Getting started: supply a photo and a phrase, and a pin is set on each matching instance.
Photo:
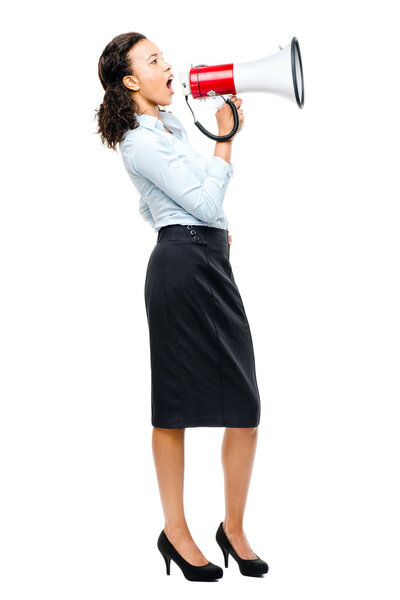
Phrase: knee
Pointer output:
(252, 430)
(244, 430)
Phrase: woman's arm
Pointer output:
(225, 121)
(223, 150)
(153, 159)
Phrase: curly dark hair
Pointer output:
(116, 114)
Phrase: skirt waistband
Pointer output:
(198, 234)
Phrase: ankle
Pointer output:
(232, 528)
(176, 532)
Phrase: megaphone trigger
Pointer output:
(218, 138)
(218, 101)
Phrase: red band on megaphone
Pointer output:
(217, 77)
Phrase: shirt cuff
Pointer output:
(227, 167)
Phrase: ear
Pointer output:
(131, 82)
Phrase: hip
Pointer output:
(185, 253)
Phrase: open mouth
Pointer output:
(169, 83)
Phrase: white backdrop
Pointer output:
(313, 208)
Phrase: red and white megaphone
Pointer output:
(280, 74)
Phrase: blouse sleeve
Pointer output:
(144, 210)
(154, 160)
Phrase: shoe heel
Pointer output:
(167, 562)
(225, 552)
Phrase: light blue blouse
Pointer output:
(176, 183)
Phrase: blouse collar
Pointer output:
(167, 118)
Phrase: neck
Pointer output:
(153, 111)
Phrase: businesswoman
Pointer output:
(202, 361)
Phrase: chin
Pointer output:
(166, 103)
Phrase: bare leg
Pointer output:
(238, 452)
(169, 458)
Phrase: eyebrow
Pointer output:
(155, 54)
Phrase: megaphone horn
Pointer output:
(280, 74)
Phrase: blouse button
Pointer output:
(193, 231)
(196, 237)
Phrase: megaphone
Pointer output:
(280, 74)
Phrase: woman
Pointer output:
(202, 361)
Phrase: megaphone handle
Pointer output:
(219, 138)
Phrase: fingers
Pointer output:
(237, 101)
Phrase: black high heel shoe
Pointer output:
(247, 566)
(207, 572)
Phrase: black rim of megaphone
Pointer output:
(217, 138)
(294, 46)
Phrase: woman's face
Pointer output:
(150, 75)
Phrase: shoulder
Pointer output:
(135, 137)
(140, 146)
(139, 139)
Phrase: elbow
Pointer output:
(203, 203)
(210, 215)
(211, 208)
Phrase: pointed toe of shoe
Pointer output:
(252, 567)
(207, 572)
(217, 571)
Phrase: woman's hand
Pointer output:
(229, 239)
(224, 116)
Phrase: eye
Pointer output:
(155, 60)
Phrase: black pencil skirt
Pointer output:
(202, 361)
